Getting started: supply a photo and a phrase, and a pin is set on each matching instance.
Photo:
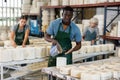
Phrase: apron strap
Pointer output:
(70, 30)
(59, 29)
(24, 31)
(18, 29)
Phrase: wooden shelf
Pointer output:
(30, 14)
(112, 4)
(110, 38)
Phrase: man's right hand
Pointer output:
(54, 42)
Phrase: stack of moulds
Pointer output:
(95, 71)
(26, 6)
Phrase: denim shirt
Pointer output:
(75, 34)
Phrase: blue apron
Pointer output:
(90, 36)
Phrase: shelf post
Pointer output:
(105, 21)
(82, 14)
(1, 68)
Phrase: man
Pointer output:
(20, 32)
(64, 31)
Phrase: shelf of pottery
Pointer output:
(107, 69)
(31, 7)
(115, 30)
(48, 14)
(37, 51)
(87, 50)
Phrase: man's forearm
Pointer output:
(48, 39)
(77, 47)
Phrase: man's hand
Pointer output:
(49, 39)
(54, 42)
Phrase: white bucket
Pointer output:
(54, 2)
(26, 6)
(93, 1)
(7, 43)
(18, 54)
(111, 0)
(117, 0)
(40, 4)
(34, 10)
(25, 11)
(97, 48)
(65, 2)
(90, 49)
(29, 53)
(118, 51)
(5, 55)
(40, 52)
(26, 1)
(110, 47)
(61, 61)
(83, 49)
(102, 1)
(86, 1)
(81, 2)
(103, 48)
(4, 36)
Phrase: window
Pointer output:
(10, 11)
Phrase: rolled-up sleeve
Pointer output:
(50, 29)
(13, 28)
(78, 36)
(84, 33)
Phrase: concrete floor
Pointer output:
(36, 76)
(33, 76)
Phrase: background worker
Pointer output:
(20, 33)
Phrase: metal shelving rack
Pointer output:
(105, 21)
(104, 5)
(107, 4)
(4, 64)
(30, 14)
(53, 71)
(110, 37)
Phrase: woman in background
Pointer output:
(20, 32)
(91, 32)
